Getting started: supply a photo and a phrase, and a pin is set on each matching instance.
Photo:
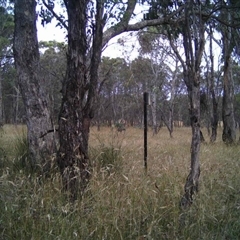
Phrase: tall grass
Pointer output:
(123, 201)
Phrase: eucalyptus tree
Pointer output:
(35, 99)
(229, 28)
(191, 27)
(191, 30)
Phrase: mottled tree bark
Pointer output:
(192, 182)
(34, 96)
(79, 91)
(193, 42)
(229, 128)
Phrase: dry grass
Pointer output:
(122, 201)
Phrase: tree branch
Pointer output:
(55, 15)
(124, 26)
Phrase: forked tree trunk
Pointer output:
(193, 41)
(35, 99)
(78, 97)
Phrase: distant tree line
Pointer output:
(120, 90)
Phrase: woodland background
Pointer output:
(61, 102)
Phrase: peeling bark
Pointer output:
(34, 95)
(79, 91)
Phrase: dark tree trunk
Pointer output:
(78, 97)
(229, 128)
(74, 120)
(214, 120)
(35, 99)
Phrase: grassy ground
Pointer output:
(122, 201)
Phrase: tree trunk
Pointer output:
(193, 41)
(229, 128)
(170, 120)
(214, 117)
(154, 113)
(79, 90)
(35, 99)
(191, 186)
(74, 120)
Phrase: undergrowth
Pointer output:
(123, 201)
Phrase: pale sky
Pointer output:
(50, 32)
(130, 50)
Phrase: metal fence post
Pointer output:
(145, 103)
